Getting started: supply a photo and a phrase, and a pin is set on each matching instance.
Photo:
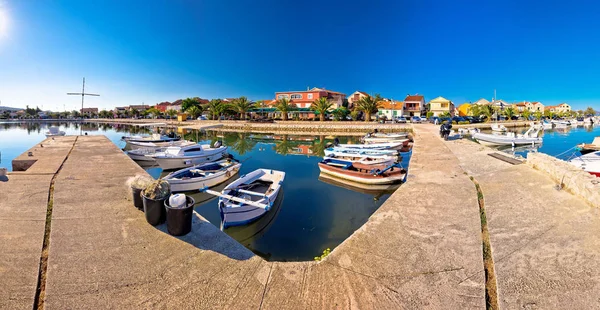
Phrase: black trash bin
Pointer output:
(179, 220)
(137, 198)
(154, 210)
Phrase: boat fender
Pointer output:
(228, 173)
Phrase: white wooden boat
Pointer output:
(588, 162)
(529, 137)
(389, 135)
(155, 145)
(142, 153)
(249, 197)
(202, 176)
(54, 132)
(175, 157)
(377, 146)
(498, 127)
(365, 174)
(154, 138)
(340, 151)
(372, 140)
(365, 159)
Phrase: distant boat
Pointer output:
(175, 157)
(154, 138)
(377, 146)
(363, 159)
(54, 132)
(499, 127)
(154, 145)
(201, 176)
(141, 153)
(365, 174)
(249, 197)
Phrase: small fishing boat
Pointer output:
(377, 146)
(560, 123)
(341, 151)
(546, 124)
(365, 174)
(154, 138)
(498, 127)
(510, 138)
(389, 135)
(249, 197)
(54, 132)
(589, 162)
(155, 145)
(175, 157)
(201, 176)
(363, 159)
(586, 148)
(142, 153)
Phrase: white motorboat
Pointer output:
(546, 124)
(377, 146)
(560, 123)
(141, 153)
(155, 145)
(202, 176)
(389, 135)
(498, 127)
(589, 162)
(175, 157)
(341, 151)
(154, 138)
(54, 132)
(365, 159)
(249, 197)
(510, 138)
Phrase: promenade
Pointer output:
(70, 238)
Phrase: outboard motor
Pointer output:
(336, 141)
(217, 144)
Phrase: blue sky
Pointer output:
(151, 51)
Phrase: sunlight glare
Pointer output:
(3, 22)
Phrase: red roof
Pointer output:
(387, 105)
(414, 98)
(362, 92)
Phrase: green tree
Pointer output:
(509, 112)
(475, 110)
(355, 114)
(154, 112)
(75, 114)
(526, 114)
(241, 105)
(284, 106)
(194, 111)
(430, 114)
(445, 114)
(188, 102)
(537, 115)
(145, 113)
(488, 110)
(171, 113)
(134, 112)
(321, 105)
(369, 105)
(590, 111)
(215, 106)
(340, 113)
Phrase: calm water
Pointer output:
(313, 213)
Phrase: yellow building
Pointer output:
(463, 109)
(441, 105)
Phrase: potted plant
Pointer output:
(179, 219)
(154, 196)
(137, 184)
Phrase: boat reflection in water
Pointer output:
(375, 190)
(249, 233)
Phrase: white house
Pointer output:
(391, 109)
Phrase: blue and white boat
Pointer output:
(249, 197)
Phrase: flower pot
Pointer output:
(154, 210)
(179, 220)
(137, 198)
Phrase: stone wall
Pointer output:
(576, 181)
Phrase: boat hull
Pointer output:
(363, 177)
(487, 139)
(193, 184)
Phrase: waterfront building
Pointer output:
(162, 106)
(303, 99)
(391, 109)
(414, 105)
(355, 97)
(481, 101)
(441, 105)
(89, 112)
(535, 106)
(138, 107)
(464, 109)
(520, 107)
(561, 108)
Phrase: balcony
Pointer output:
(412, 109)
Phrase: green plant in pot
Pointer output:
(154, 196)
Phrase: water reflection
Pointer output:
(374, 190)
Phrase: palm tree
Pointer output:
(215, 108)
(284, 106)
(368, 105)
(171, 113)
(194, 111)
(526, 114)
(154, 111)
(475, 110)
(488, 110)
(242, 105)
(321, 105)
(509, 112)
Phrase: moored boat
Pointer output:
(142, 153)
(365, 174)
(589, 162)
(175, 157)
(249, 197)
(202, 176)
(54, 132)
(340, 151)
(586, 148)
(498, 127)
(363, 159)
(529, 137)
(377, 146)
(154, 138)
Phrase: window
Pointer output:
(193, 150)
(283, 96)
(297, 96)
(310, 96)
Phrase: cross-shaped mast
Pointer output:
(83, 94)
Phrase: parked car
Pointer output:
(401, 119)
(444, 119)
(415, 119)
(202, 118)
(457, 119)
(433, 119)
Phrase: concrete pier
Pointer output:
(421, 249)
